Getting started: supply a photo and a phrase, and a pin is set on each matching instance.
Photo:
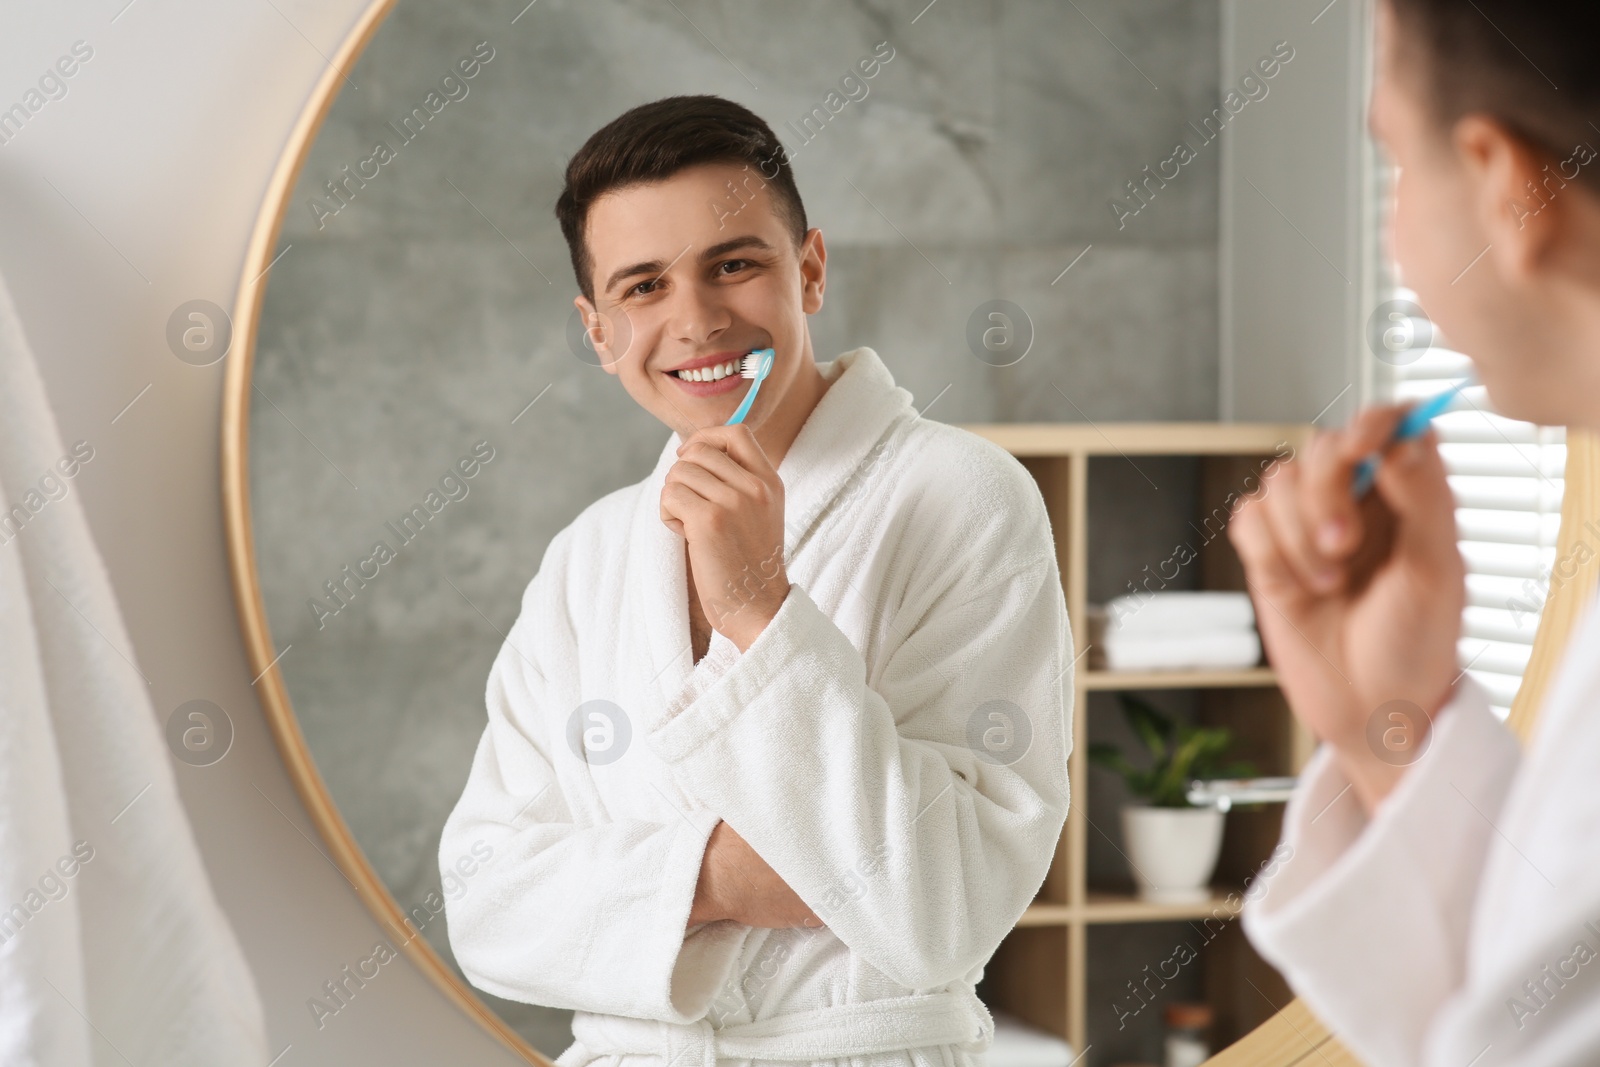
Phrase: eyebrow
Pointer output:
(657, 267)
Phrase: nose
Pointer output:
(696, 315)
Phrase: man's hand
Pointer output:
(1358, 603)
(726, 500)
(737, 884)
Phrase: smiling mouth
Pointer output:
(709, 387)
(709, 374)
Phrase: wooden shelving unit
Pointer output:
(1041, 971)
(1253, 676)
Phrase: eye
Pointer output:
(635, 290)
(741, 262)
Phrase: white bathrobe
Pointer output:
(1460, 925)
(894, 744)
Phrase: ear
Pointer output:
(599, 335)
(1516, 192)
(813, 271)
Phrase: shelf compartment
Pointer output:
(1027, 977)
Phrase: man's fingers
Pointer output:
(1332, 513)
(719, 463)
(1370, 430)
(712, 485)
(1412, 482)
(679, 502)
(1284, 506)
(738, 441)
(1265, 567)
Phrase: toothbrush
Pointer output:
(757, 365)
(1412, 425)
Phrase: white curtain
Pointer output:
(113, 949)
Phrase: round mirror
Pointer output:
(413, 411)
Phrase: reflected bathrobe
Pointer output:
(894, 744)
(1459, 924)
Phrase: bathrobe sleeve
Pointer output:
(1370, 920)
(916, 815)
(546, 907)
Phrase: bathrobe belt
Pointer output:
(893, 1024)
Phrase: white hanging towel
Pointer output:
(894, 744)
(113, 949)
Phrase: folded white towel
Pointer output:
(1176, 610)
(1220, 650)
(1021, 1044)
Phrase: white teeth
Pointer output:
(710, 374)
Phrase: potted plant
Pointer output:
(1172, 845)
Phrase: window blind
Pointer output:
(1506, 475)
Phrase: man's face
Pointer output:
(688, 273)
(1443, 222)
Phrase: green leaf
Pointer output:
(1152, 727)
(1178, 754)
(1111, 757)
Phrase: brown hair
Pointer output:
(654, 141)
(1528, 63)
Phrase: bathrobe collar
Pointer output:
(839, 435)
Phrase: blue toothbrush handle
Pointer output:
(1366, 474)
(1413, 424)
(762, 371)
(744, 405)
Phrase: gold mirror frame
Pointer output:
(262, 652)
(1281, 1040)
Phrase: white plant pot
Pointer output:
(1172, 851)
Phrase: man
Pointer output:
(1442, 906)
(813, 670)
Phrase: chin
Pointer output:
(1525, 397)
